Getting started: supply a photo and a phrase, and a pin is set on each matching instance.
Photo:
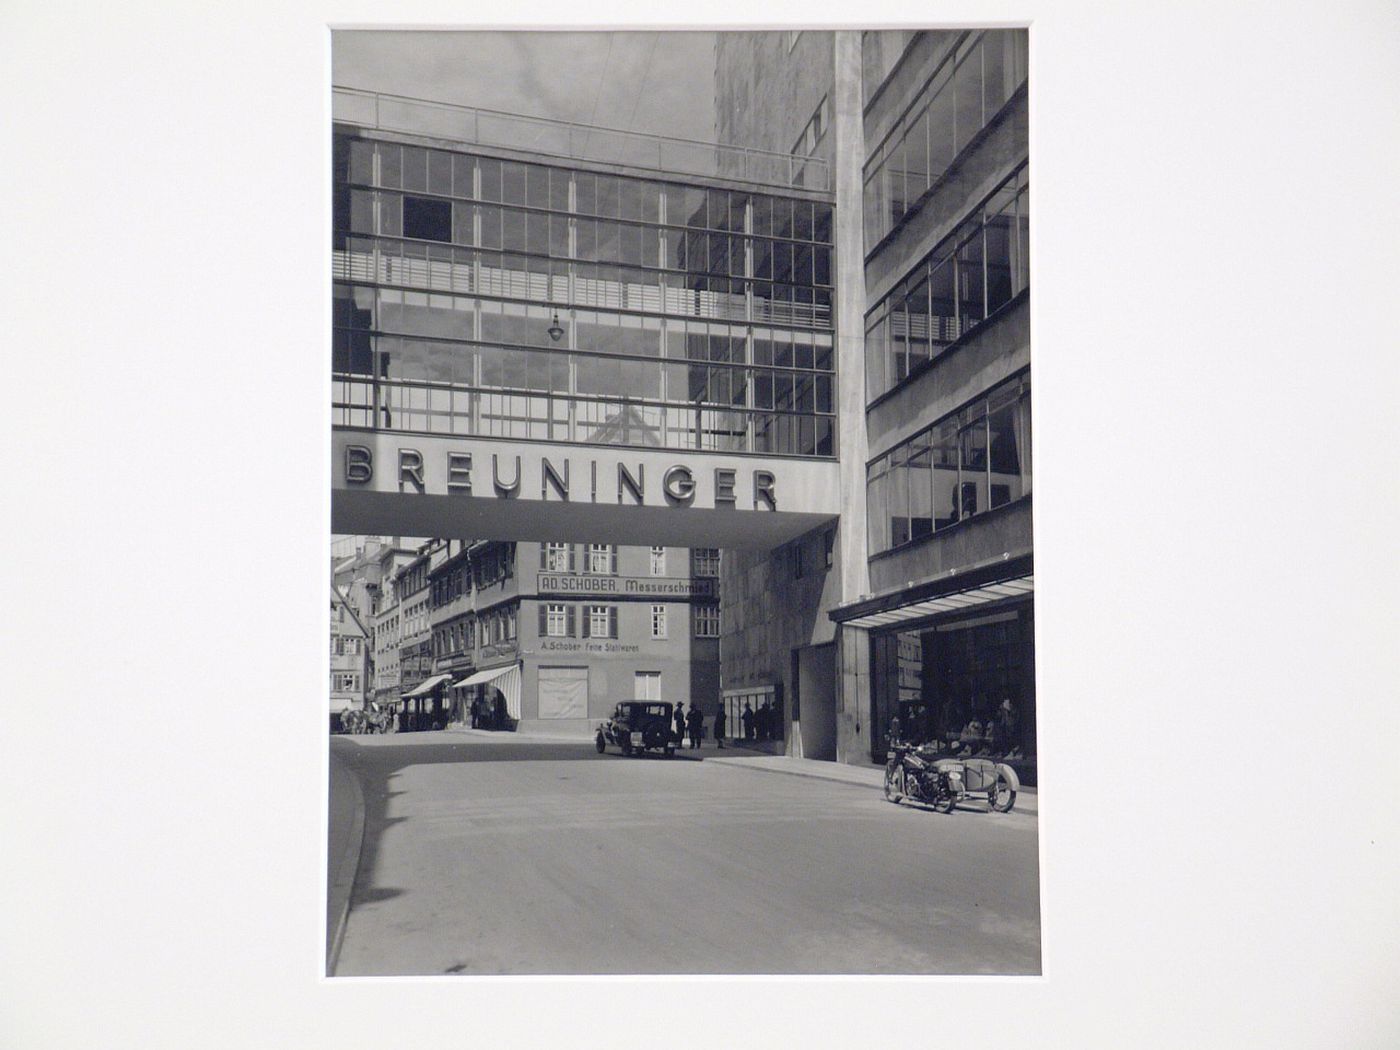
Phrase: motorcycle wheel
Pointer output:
(894, 784)
(1003, 795)
(945, 803)
(600, 743)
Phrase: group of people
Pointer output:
(690, 726)
(757, 725)
(979, 727)
(761, 724)
(486, 715)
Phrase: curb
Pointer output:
(342, 884)
(811, 774)
(860, 780)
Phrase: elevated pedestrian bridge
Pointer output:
(545, 329)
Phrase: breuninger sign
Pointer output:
(566, 478)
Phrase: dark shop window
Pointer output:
(427, 220)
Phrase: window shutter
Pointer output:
(544, 619)
(569, 621)
(587, 621)
(612, 559)
(544, 556)
(612, 621)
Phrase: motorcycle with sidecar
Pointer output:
(918, 773)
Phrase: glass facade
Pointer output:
(975, 271)
(484, 297)
(968, 686)
(972, 461)
(966, 92)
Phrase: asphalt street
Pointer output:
(483, 857)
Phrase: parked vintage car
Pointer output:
(636, 726)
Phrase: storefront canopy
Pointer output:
(506, 679)
(427, 686)
(1016, 587)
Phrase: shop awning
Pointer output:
(343, 703)
(426, 686)
(506, 679)
(972, 588)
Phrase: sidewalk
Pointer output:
(872, 777)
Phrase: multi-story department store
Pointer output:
(808, 346)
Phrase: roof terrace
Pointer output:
(484, 127)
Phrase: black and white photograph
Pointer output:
(567, 526)
(713, 450)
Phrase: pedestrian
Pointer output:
(895, 730)
(696, 721)
(719, 726)
(680, 724)
(765, 721)
(746, 719)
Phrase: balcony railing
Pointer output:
(560, 138)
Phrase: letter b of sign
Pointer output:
(359, 464)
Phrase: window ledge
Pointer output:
(957, 344)
(985, 515)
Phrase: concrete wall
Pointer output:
(990, 536)
(764, 93)
(765, 96)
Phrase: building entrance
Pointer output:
(814, 701)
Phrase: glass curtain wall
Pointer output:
(489, 297)
(964, 94)
(978, 269)
(975, 460)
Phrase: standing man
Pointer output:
(696, 721)
(719, 724)
(680, 725)
(746, 720)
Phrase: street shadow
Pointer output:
(375, 893)
(376, 765)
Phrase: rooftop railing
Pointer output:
(659, 153)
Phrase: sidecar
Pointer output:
(981, 780)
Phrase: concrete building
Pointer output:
(807, 345)
(921, 601)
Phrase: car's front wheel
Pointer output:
(600, 743)
(626, 746)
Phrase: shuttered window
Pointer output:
(600, 621)
(557, 621)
